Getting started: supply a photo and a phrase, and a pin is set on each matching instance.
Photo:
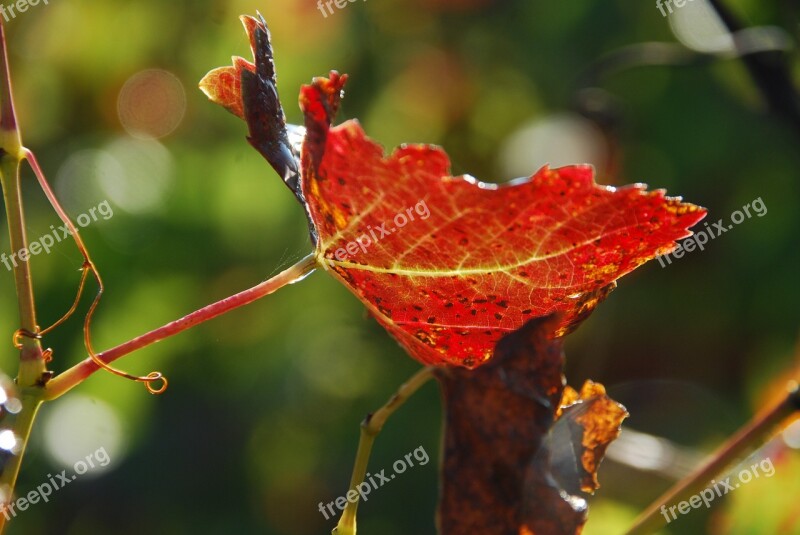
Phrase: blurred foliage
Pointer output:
(260, 422)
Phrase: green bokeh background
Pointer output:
(260, 422)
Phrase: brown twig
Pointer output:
(744, 441)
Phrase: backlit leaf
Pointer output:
(448, 265)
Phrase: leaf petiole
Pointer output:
(72, 377)
(370, 428)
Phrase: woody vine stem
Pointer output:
(32, 365)
(34, 381)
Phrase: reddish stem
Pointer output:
(78, 373)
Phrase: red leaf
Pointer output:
(223, 85)
(448, 265)
(486, 258)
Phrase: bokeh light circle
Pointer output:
(78, 427)
(557, 140)
(151, 104)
